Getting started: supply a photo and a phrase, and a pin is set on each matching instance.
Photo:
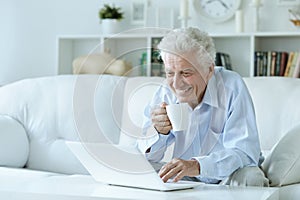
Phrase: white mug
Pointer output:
(178, 115)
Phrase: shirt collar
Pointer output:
(211, 94)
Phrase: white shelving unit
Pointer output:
(131, 46)
(71, 46)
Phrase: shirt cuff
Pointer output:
(207, 166)
(160, 143)
(158, 149)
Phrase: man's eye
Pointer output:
(170, 74)
(187, 74)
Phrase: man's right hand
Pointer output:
(160, 119)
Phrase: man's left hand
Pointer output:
(179, 168)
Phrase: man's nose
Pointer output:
(177, 81)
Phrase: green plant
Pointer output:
(110, 12)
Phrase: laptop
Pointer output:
(123, 166)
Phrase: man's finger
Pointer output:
(171, 173)
(163, 105)
(167, 168)
(179, 176)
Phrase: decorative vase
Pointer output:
(110, 26)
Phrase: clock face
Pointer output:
(217, 10)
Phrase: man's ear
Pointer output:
(209, 73)
(211, 70)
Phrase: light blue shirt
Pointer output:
(222, 134)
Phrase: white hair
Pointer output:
(187, 40)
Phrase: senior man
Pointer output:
(221, 144)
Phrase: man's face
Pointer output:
(187, 81)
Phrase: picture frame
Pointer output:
(288, 2)
(138, 12)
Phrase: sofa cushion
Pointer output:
(138, 92)
(63, 108)
(14, 146)
(18, 179)
(282, 165)
(275, 102)
(290, 192)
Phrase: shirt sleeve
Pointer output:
(159, 148)
(154, 140)
(240, 140)
(157, 142)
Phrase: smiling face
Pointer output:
(187, 81)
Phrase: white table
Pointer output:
(83, 187)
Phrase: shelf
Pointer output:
(277, 34)
(132, 45)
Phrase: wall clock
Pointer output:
(217, 10)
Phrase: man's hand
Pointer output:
(160, 119)
(178, 168)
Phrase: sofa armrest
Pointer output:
(14, 145)
(282, 165)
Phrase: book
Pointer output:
(273, 63)
(289, 63)
(224, 60)
(258, 67)
(143, 63)
(218, 61)
(293, 65)
(269, 62)
(264, 63)
(228, 62)
(277, 65)
(255, 64)
(296, 73)
(283, 61)
(157, 66)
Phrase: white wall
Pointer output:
(28, 28)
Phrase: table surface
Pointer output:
(85, 188)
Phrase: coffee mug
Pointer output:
(178, 115)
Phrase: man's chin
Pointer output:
(183, 99)
(186, 99)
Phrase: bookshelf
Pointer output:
(139, 49)
(277, 42)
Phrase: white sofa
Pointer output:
(38, 115)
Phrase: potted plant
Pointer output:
(110, 17)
